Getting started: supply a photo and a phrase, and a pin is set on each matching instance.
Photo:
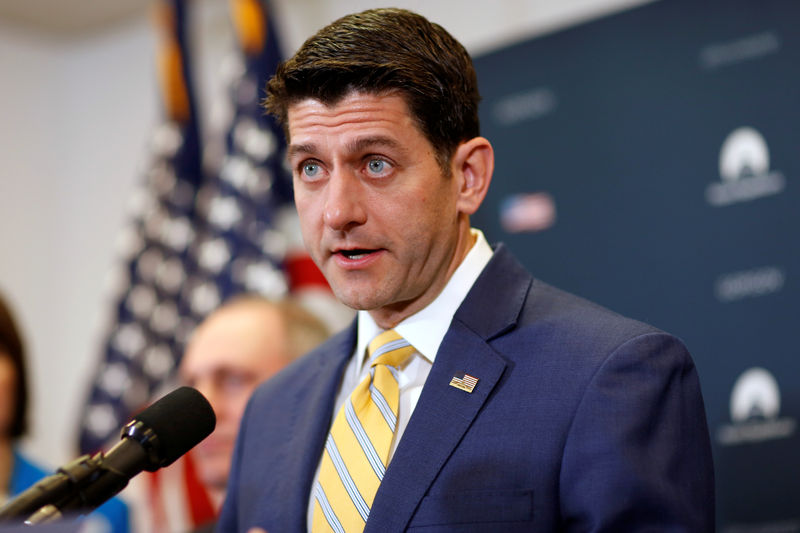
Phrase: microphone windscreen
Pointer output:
(180, 420)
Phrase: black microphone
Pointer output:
(156, 437)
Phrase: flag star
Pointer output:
(265, 279)
(214, 255)
(148, 264)
(101, 420)
(158, 361)
(114, 379)
(129, 339)
(177, 233)
(167, 139)
(273, 243)
(256, 142)
(224, 212)
(154, 225)
(165, 317)
(236, 170)
(170, 275)
(204, 298)
(141, 301)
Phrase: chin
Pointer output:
(359, 298)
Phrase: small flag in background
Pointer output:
(528, 212)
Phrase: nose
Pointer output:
(344, 207)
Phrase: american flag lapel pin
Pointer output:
(464, 382)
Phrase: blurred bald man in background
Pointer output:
(241, 344)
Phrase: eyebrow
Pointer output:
(295, 149)
(359, 145)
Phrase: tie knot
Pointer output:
(388, 348)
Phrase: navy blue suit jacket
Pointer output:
(582, 420)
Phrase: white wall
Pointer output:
(479, 24)
(74, 121)
(75, 116)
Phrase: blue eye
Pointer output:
(377, 166)
(310, 169)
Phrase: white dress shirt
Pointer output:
(424, 331)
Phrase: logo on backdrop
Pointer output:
(530, 104)
(755, 411)
(753, 283)
(744, 170)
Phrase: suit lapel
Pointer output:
(444, 413)
(312, 408)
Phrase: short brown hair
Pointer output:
(383, 51)
(13, 347)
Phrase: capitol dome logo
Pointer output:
(755, 396)
(744, 170)
(754, 409)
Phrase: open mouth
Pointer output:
(357, 253)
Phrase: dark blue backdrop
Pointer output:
(665, 142)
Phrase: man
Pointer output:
(512, 406)
(238, 346)
(242, 343)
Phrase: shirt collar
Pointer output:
(425, 329)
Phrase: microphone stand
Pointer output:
(91, 481)
(52, 488)
(88, 481)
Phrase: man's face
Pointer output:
(228, 356)
(377, 215)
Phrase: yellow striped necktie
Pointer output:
(357, 450)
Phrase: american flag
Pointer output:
(464, 382)
(151, 319)
(209, 221)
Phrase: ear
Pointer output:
(473, 165)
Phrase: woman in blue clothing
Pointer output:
(17, 472)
